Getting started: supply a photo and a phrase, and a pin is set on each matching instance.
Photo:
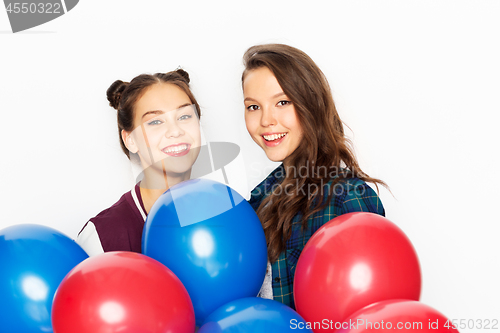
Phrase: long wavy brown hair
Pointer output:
(324, 145)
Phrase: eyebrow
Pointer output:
(274, 96)
(161, 112)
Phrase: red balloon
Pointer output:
(122, 292)
(400, 315)
(353, 261)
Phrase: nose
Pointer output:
(267, 119)
(173, 130)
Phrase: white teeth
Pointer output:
(176, 149)
(273, 137)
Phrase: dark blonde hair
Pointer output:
(323, 145)
(122, 96)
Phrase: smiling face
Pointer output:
(167, 130)
(270, 116)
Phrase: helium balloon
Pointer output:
(402, 315)
(211, 238)
(33, 261)
(352, 261)
(253, 314)
(124, 292)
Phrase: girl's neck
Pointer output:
(287, 167)
(152, 186)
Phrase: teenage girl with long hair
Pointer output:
(291, 115)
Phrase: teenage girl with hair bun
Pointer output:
(158, 125)
(290, 114)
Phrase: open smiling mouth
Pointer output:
(272, 140)
(177, 150)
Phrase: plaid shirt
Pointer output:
(355, 196)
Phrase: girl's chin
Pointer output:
(275, 158)
(274, 154)
(170, 170)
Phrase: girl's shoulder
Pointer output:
(128, 208)
(354, 195)
(266, 186)
(117, 228)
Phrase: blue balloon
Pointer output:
(253, 314)
(33, 261)
(211, 239)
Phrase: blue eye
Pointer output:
(155, 122)
(185, 116)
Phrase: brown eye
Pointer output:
(252, 107)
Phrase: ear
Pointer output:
(129, 142)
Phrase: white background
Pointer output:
(418, 83)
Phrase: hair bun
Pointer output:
(114, 93)
(183, 73)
